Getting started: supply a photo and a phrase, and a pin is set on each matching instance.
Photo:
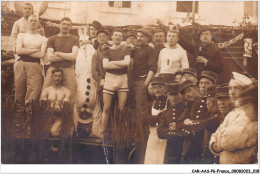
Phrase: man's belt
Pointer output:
(26, 58)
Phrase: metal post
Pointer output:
(193, 11)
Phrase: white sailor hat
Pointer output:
(241, 79)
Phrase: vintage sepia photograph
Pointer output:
(129, 82)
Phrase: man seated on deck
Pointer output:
(57, 94)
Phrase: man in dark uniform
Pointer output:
(189, 74)
(167, 124)
(206, 53)
(210, 124)
(224, 106)
(207, 79)
(189, 123)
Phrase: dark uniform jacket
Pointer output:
(159, 104)
(174, 143)
(211, 125)
(194, 134)
(210, 51)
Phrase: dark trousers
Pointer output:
(194, 152)
(173, 151)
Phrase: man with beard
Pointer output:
(57, 94)
(62, 52)
(144, 68)
(173, 58)
(167, 124)
(155, 149)
(207, 79)
(189, 122)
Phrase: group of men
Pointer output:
(188, 105)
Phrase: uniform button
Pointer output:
(198, 111)
(188, 132)
(156, 124)
(216, 115)
(173, 113)
(160, 102)
(169, 133)
(202, 100)
(173, 132)
(197, 116)
(173, 117)
(173, 109)
(183, 129)
(198, 123)
(201, 106)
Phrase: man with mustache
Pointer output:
(31, 47)
(144, 68)
(158, 41)
(189, 122)
(57, 94)
(189, 74)
(155, 149)
(167, 124)
(115, 61)
(207, 79)
(224, 107)
(209, 124)
(62, 52)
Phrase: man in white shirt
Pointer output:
(173, 58)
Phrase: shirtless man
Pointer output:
(57, 95)
(31, 47)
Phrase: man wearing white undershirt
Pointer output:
(173, 58)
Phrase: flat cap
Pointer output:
(173, 87)
(145, 32)
(190, 71)
(210, 75)
(186, 84)
(128, 34)
(211, 91)
(103, 31)
(204, 28)
(241, 79)
(158, 80)
(222, 91)
(96, 24)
